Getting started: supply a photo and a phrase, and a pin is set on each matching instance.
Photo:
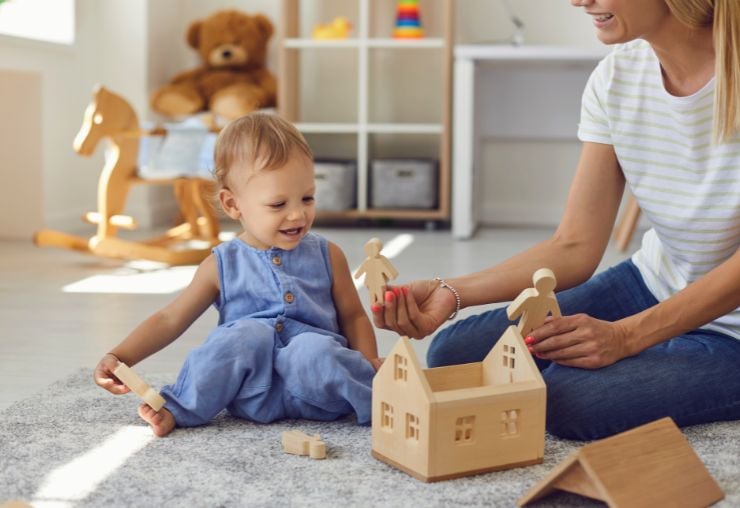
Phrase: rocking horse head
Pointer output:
(107, 116)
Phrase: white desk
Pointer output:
(496, 81)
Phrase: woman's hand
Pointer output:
(579, 341)
(416, 310)
(105, 378)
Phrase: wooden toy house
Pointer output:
(447, 422)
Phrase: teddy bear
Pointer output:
(233, 79)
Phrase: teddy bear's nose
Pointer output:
(226, 53)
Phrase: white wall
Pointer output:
(135, 45)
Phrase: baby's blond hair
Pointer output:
(258, 140)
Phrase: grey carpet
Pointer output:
(235, 463)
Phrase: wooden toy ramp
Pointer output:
(111, 117)
(649, 466)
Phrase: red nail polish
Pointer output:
(375, 307)
(531, 349)
(529, 340)
(405, 291)
(396, 291)
(389, 296)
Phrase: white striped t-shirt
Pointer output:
(688, 189)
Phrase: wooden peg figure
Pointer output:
(378, 271)
(534, 304)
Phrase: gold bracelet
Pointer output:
(444, 284)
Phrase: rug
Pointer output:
(76, 445)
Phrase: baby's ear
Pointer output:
(229, 204)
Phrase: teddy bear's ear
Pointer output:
(193, 35)
(264, 25)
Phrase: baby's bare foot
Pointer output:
(162, 421)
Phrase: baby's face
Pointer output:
(277, 205)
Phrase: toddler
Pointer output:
(293, 340)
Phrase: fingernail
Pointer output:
(529, 340)
(405, 290)
(396, 291)
(375, 307)
(389, 296)
(531, 349)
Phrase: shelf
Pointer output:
(384, 213)
(300, 43)
(401, 105)
(405, 128)
(319, 43)
(328, 128)
(406, 43)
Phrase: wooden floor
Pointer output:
(51, 325)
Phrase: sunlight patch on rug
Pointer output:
(80, 477)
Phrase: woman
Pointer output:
(659, 334)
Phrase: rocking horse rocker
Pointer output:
(110, 116)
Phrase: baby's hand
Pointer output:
(105, 378)
(376, 363)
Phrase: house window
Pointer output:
(510, 422)
(400, 370)
(464, 429)
(412, 427)
(386, 415)
(508, 357)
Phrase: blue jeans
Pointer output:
(693, 378)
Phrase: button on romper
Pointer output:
(277, 352)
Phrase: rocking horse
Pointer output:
(111, 117)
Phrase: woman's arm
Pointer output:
(353, 321)
(585, 342)
(167, 324)
(572, 253)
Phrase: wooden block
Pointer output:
(300, 443)
(139, 386)
(651, 465)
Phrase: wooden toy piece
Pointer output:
(111, 117)
(300, 443)
(378, 271)
(534, 304)
(139, 386)
(460, 420)
(651, 465)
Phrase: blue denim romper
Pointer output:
(277, 352)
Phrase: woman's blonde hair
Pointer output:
(724, 18)
(259, 140)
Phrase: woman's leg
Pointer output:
(323, 379)
(692, 378)
(610, 295)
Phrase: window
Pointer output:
(386, 418)
(400, 368)
(510, 421)
(508, 357)
(412, 427)
(464, 429)
(43, 20)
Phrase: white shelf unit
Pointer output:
(363, 46)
